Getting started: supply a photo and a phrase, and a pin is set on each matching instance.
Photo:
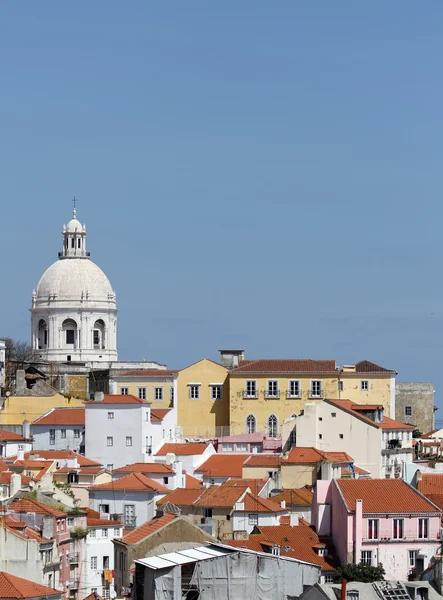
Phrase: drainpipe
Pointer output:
(343, 589)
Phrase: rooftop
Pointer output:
(220, 496)
(221, 465)
(62, 416)
(296, 497)
(9, 436)
(263, 460)
(181, 497)
(349, 407)
(59, 455)
(29, 505)
(365, 366)
(383, 496)
(117, 399)
(145, 530)
(430, 483)
(149, 467)
(183, 449)
(153, 373)
(16, 587)
(290, 366)
(135, 482)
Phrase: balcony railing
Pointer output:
(316, 394)
(290, 395)
(73, 558)
(251, 395)
(272, 395)
(74, 583)
(130, 522)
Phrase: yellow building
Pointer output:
(200, 394)
(17, 409)
(264, 393)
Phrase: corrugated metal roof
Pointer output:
(184, 556)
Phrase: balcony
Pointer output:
(52, 563)
(315, 394)
(250, 395)
(74, 583)
(272, 395)
(290, 396)
(130, 522)
(73, 558)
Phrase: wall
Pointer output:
(20, 557)
(144, 502)
(381, 389)
(41, 437)
(11, 448)
(99, 547)
(297, 476)
(262, 407)
(241, 520)
(420, 396)
(361, 440)
(17, 409)
(134, 383)
(204, 417)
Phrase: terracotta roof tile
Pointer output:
(255, 485)
(135, 482)
(181, 497)
(285, 366)
(149, 467)
(29, 505)
(357, 469)
(3, 465)
(220, 496)
(263, 460)
(93, 596)
(254, 503)
(155, 373)
(5, 478)
(145, 530)
(223, 465)
(117, 399)
(16, 587)
(295, 542)
(62, 416)
(183, 449)
(191, 483)
(387, 423)
(365, 366)
(58, 455)
(158, 414)
(302, 455)
(296, 497)
(429, 434)
(430, 483)
(10, 436)
(383, 496)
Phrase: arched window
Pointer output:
(99, 334)
(272, 426)
(42, 334)
(70, 332)
(250, 424)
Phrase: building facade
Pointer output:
(60, 429)
(414, 404)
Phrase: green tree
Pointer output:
(361, 572)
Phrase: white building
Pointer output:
(12, 443)
(376, 443)
(60, 429)
(191, 455)
(122, 429)
(2, 366)
(100, 554)
(74, 311)
(169, 475)
(254, 511)
(131, 499)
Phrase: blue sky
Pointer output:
(254, 175)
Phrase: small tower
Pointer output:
(74, 239)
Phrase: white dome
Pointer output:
(73, 226)
(73, 279)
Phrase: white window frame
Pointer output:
(251, 383)
(423, 537)
(377, 521)
(226, 448)
(216, 391)
(402, 526)
(124, 391)
(364, 385)
(91, 533)
(316, 383)
(241, 447)
(104, 533)
(253, 417)
(252, 519)
(109, 441)
(158, 393)
(77, 434)
(365, 560)
(291, 393)
(272, 388)
(63, 434)
(340, 385)
(129, 440)
(94, 562)
(408, 411)
(110, 415)
(412, 554)
(142, 392)
(272, 431)
(194, 391)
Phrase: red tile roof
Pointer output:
(181, 497)
(16, 587)
(149, 467)
(3, 465)
(383, 496)
(10, 436)
(223, 465)
(254, 503)
(358, 470)
(296, 497)
(93, 519)
(5, 478)
(365, 366)
(263, 460)
(429, 434)
(155, 373)
(21, 530)
(285, 366)
(302, 455)
(183, 449)
(255, 485)
(93, 596)
(117, 399)
(58, 455)
(191, 483)
(430, 483)
(297, 542)
(145, 530)
(135, 482)
(218, 496)
(29, 505)
(158, 414)
(62, 416)
(387, 423)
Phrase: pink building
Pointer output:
(377, 521)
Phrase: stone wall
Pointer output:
(420, 398)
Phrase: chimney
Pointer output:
(283, 503)
(48, 527)
(178, 468)
(15, 484)
(343, 589)
(418, 475)
(99, 397)
(26, 430)
(112, 387)
(20, 454)
(231, 358)
(72, 462)
(170, 458)
(20, 382)
(293, 519)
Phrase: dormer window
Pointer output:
(352, 595)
